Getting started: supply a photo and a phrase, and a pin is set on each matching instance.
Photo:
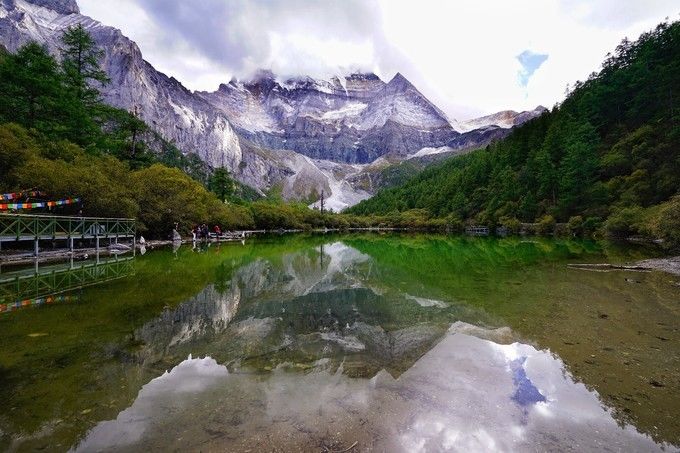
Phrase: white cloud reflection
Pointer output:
(462, 395)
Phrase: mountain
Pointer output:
(167, 106)
(299, 136)
(352, 119)
(505, 119)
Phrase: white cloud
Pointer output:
(461, 54)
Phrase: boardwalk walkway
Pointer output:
(25, 227)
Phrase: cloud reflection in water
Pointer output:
(465, 394)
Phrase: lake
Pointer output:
(343, 343)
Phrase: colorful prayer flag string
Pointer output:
(21, 194)
(38, 204)
(13, 306)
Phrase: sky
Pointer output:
(469, 57)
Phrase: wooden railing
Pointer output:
(18, 227)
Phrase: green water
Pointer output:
(413, 324)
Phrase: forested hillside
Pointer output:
(608, 155)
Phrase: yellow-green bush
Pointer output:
(667, 224)
(546, 225)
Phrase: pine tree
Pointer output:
(31, 89)
(81, 64)
(578, 170)
(82, 73)
(221, 184)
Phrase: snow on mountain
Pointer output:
(59, 6)
(244, 109)
(430, 151)
(402, 103)
(342, 193)
(504, 119)
(299, 177)
(352, 119)
(350, 110)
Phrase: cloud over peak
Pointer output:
(468, 57)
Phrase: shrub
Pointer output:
(624, 222)
(270, 216)
(575, 225)
(454, 224)
(546, 225)
(16, 147)
(232, 217)
(167, 196)
(667, 224)
(511, 224)
(591, 225)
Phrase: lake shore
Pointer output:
(670, 265)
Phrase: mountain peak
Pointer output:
(362, 76)
(399, 79)
(504, 119)
(262, 74)
(400, 84)
(60, 6)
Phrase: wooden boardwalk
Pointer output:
(26, 227)
(477, 230)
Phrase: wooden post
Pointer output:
(36, 248)
(96, 242)
(70, 244)
(134, 246)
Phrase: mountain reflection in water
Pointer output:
(311, 305)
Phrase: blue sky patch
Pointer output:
(526, 392)
(530, 62)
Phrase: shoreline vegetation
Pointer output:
(603, 164)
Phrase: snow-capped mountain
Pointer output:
(505, 119)
(301, 135)
(353, 119)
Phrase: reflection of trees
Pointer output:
(222, 277)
